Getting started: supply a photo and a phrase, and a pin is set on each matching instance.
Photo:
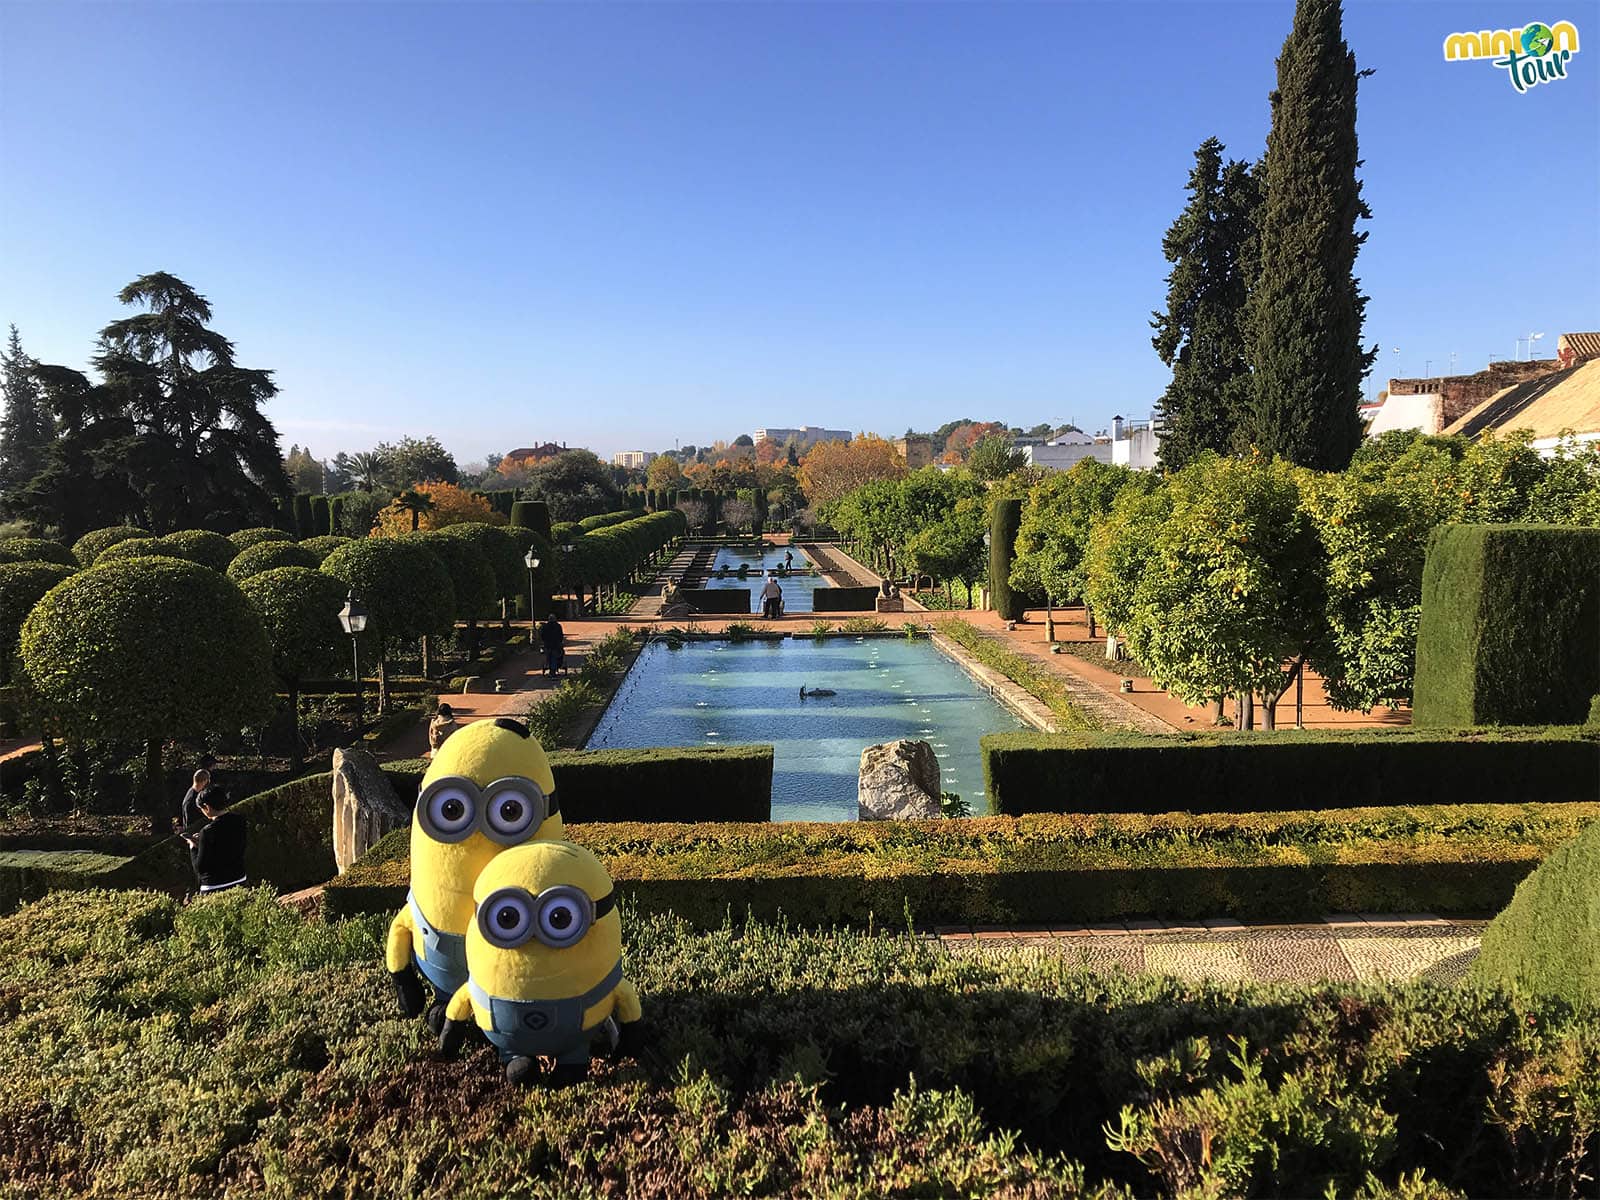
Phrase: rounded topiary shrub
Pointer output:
(149, 650)
(265, 556)
(203, 547)
(22, 585)
(245, 538)
(323, 546)
(20, 550)
(299, 608)
(88, 548)
(131, 548)
(470, 574)
(404, 585)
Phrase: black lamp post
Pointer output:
(531, 561)
(353, 616)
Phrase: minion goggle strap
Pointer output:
(452, 808)
(558, 916)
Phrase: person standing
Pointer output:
(771, 598)
(216, 849)
(189, 808)
(441, 727)
(554, 639)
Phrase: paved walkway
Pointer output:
(1344, 948)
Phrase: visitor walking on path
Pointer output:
(216, 849)
(189, 807)
(771, 598)
(441, 727)
(555, 645)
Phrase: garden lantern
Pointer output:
(531, 561)
(353, 616)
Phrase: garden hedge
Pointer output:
(27, 549)
(1053, 868)
(844, 599)
(245, 538)
(532, 514)
(269, 556)
(87, 548)
(1547, 941)
(1510, 627)
(234, 1046)
(321, 547)
(718, 600)
(1287, 769)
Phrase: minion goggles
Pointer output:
(452, 809)
(558, 917)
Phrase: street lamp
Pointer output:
(531, 560)
(353, 616)
(1532, 338)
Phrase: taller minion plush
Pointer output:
(545, 964)
(489, 788)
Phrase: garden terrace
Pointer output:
(1449, 859)
(235, 1046)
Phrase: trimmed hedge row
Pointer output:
(1510, 627)
(1055, 868)
(717, 600)
(1287, 769)
(1544, 942)
(844, 599)
(722, 783)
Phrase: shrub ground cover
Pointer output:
(1055, 867)
(234, 1047)
(1029, 676)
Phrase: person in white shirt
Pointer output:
(771, 599)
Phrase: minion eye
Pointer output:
(449, 811)
(563, 917)
(513, 808)
(506, 918)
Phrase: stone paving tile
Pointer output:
(1296, 960)
(1222, 923)
(1386, 959)
(1102, 954)
(1105, 928)
(1452, 969)
(1343, 921)
(1145, 926)
(1197, 960)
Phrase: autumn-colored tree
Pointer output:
(449, 505)
(664, 471)
(768, 452)
(951, 458)
(831, 470)
(963, 438)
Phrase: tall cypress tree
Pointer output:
(1202, 334)
(1307, 307)
(27, 429)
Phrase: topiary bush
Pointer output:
(22, 585)
(131, 548)
(1510, 628)
(267, 556)
(406, 589)
(245, 538)
(201, 546)
(321, 547)
(1547, 941)
(149, 650)
(299, 609)
(1004, 522)
(21, 549)
(503, 547)
(87, 548)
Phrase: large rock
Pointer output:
(899, 781)
(364, 805)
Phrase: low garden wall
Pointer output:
(844, 599)
(717, 600)
(1288, 769)
(1055, 868)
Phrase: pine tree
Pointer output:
(1306, 308)
(26, 430)
(1202, 335)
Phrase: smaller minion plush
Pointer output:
(489, 787)
(544, 962)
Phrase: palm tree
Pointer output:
(367, 469)
(414, 502)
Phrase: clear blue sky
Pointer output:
(618, 225)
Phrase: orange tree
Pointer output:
(448, 505)
(832, 470)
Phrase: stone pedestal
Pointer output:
(898, 781)
(891, 604)
(365, 806)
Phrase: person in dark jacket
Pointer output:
(555, 645)
(188, 809)
(216, 849)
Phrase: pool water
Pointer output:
(742, 693)
(797, 589)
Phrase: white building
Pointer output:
(1134, 444)
(803, 437)
(1061, 453)
(633, 458)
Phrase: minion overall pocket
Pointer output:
(441, 957)
(543, 1028)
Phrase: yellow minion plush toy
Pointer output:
(544, 964)
(489, 788)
